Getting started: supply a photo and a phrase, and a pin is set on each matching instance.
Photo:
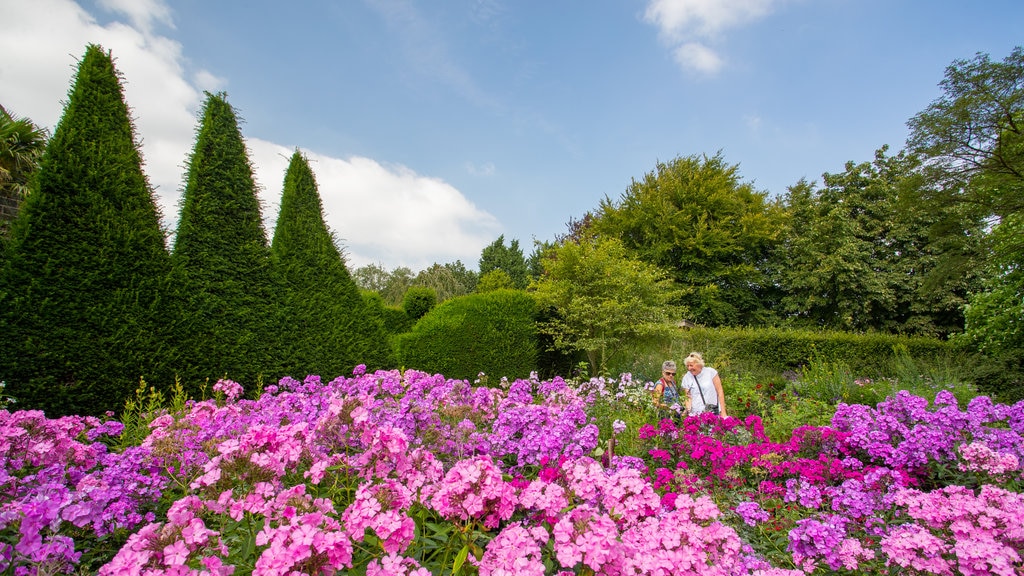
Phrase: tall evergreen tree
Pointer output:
(222, 253)
(510, 259)
(83, 306)
(328, 330)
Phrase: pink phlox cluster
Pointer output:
(395, 565)
(168, 548)
(382, 508)
(386, 451)
(342, 423)
(628, 496)
(914, 547)
(515, 551)
(549, 498)
(310, 543)
(683, 540)
(824, 538)
(986, 531)
(474, 489)
(229, 388)
(977, 457)
(272, 449)
(585, 535)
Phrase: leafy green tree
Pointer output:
(496, 279)
(418, 301)
(510, 259)
(972, 139)
(390, 285)
(21, 147)
(603, 299)
(858, 254)
(328, 332)
(84, 304)
(447, 280)
(221, 249)
(714, 234)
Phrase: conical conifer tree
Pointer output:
(221, 251)
(83, 306)
(328, 328)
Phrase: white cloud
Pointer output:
(382, 214)
(696, 56)
(690, 25)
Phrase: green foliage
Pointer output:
(418, 301)
(84, 302)
(326, 316)
(222, 254)
(859, 257)
(793, 412)
(494, 333)
(392, 319)
(603, 300)
(497, 256)
(712, 233)
(21, 147)
(447, 280)
(390, 285)
(496, 279)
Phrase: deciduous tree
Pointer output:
(603, 299)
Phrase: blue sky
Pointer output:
(433, 127)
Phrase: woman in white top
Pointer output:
(703, 386)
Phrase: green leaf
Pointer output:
(460, 559)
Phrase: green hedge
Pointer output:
(780, 349)
(493, 332)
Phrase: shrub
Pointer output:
(418, 300)
(494, 333)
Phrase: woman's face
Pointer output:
(669, 374)
(693, 368)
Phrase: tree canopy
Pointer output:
(603, 299)
(694, 218)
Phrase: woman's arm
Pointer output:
(658, 392)
(721, 396)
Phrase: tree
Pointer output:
(84, 302)
(497, 256)
(221, 250)
(328, 329)
(858, 255)
(21, 147)
(976, 128)
(972, 138)
(603, 300)
(496, 279)
(447, 280)
(390, 285)
(713, 234)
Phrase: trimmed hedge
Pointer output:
(779, 349)
(494, 333)
(85, 306)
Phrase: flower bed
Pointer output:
(409, 473)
